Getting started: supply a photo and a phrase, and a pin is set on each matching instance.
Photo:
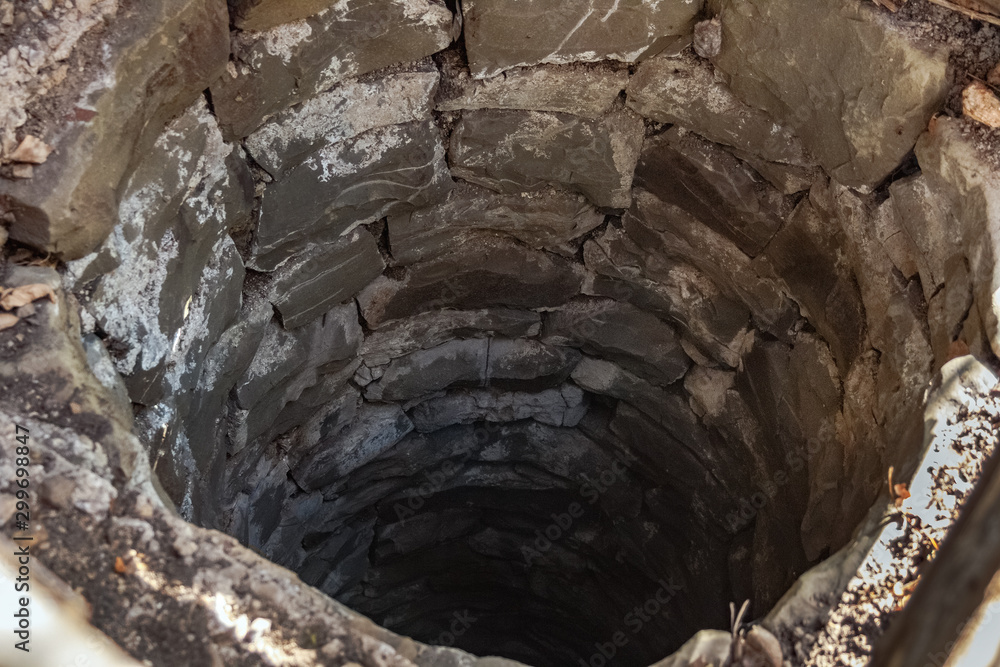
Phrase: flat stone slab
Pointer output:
(518, 151)
(347, 110)
(376, 429)
(636, 340)
(683, 90)
(526, 364)
(456, 363)
(168, 280)
(275, 68)
(706, 181)
(857, 90)
(380, 172)
(501, 34)
(495, 272)
(317, 279)
(713, 324)
(432, 328)
(545, 219)
(563, 406)
(578, 89)
(511, 364)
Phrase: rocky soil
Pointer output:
(921, 519)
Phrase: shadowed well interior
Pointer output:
(552, 450)
(547, 361)
(571, 518)
(551, 485)
(553, 453)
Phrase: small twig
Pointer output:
(995, 89)
(735, 621)
(890, 4)
(972, 13)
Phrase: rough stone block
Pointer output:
(496, 272)
(318, 278)
(501, 34)
(788, 178)
(283, 355)
(344, 112)
(383, 171)
(264, 14)
(225, 363)
(636, 340)
(169, 279)
(544, 219)
(511, 364)
(714, 322)
(683, 90)
(609, 379)
(925, 222)
(654, 224)
(426, 330)
(855, 88)
(804, 255)
(967, 177)
(456, 363)
(148, 67)
(517, 151)
(582, 90)
(281, 66)
(320, 411)
(376, 429)
(563, 406)
(677, 453)
(528, 365)
(709, 183)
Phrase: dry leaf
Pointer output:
(18, 296)
(7, 320)
(120, 566)
(993, 78)
(902, 493)
(32, 150)
(980, 104)
(22, 171)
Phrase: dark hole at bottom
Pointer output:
(550, 546)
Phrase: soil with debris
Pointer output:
(974, 45)
(877, 592)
